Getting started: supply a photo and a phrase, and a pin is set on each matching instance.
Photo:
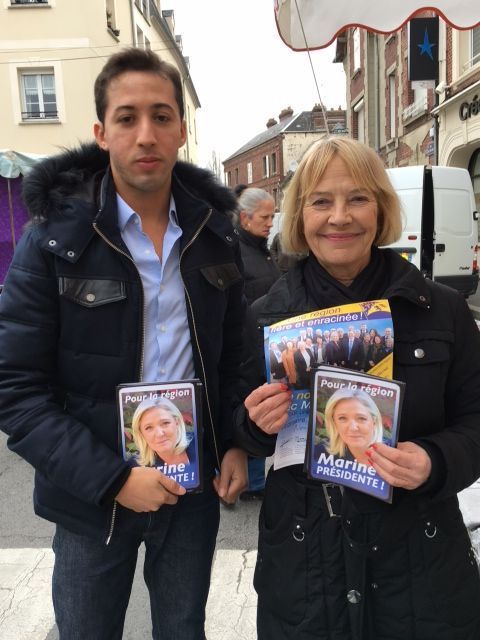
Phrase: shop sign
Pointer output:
(469, 109)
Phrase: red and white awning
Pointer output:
(314, 24)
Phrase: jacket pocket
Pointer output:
(451, 567)
(423, 349)
(91, 293)
(222, 276)
(280, 577)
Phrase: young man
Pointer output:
(131, 273)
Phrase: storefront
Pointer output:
(459, 133)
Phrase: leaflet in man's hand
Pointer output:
(160, 427)
(350, 412)
(372, 316)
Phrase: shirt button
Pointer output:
(70, 254)
(354, 596)
(419, 353)
(220, 282)
(162, 370)
(228, 238)
(52, 243)
(163, 328)
(90, 297)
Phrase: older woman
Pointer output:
(379, 571)
(256, 209)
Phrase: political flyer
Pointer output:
(357, 336)
(350, 412)
(160, 427)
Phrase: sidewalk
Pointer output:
(25, 576)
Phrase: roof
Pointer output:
(300, 123)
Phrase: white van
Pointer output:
(440, 233)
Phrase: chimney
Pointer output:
(317, 117)
(271, 123)
(285, 113)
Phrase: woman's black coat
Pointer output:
(380, 572)
(260, 271)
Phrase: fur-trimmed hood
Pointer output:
(76, 173)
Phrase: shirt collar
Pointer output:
(126, 214)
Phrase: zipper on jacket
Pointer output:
(140, 371)
(112, 523)
(195, 236)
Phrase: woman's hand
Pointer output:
(407, 466)
(268, 405)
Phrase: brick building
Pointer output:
(272, 155)
(407, 124)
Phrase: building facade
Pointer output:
(270, 158)
(50, 54)
(409, 124)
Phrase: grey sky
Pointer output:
(243, 73)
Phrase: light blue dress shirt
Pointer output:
(168, 349)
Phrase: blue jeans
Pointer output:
(92, 581)
(256, 474)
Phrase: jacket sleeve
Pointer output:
(32, 414)
(231, 356)
(252, 375)
(458, 443)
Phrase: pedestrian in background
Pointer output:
(256, 209)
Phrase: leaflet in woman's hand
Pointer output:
(349, 413)
(286, 362)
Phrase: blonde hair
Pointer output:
(367, 171)
(146, 456)
(336, 444)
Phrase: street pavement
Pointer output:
(26, 562)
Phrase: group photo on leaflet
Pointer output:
(239, 320)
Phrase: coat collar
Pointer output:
(70, 191)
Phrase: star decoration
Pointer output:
(426, 46)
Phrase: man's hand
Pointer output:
(268, 406)
(147, 489)
(233, 476)
(407, 466)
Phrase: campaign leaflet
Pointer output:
(160, 427)
(289, 361)
(350, 412)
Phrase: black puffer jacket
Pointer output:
(71, 329)
(381, 572)
(260, 270)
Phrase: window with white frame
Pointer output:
(392, 121)
(38, 94)
(273, 163)
(265, 166)
(249, 173)
(140, 38)
(356, 49)
(28, 2)
(475, 46)
(359, 119)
